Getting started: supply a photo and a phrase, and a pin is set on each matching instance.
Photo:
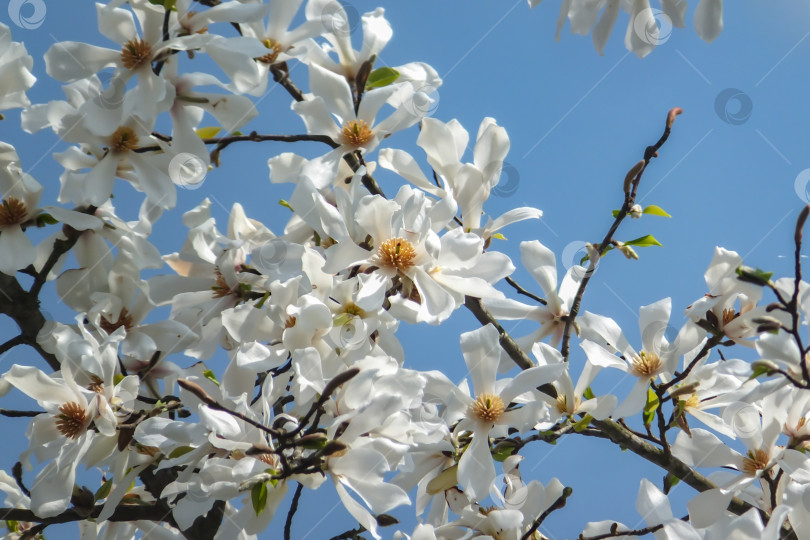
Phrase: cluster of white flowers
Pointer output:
(647, 27)
(314, 386)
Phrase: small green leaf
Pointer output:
(258, 496)
(499, 236)
(754, 275)
(654, 210)
(180, 451)
(503, 450)
(208, 374)
(644, 241)
(103, 491)
(46, 219)
(208, 132)
(588, 393)
(285, 204)
(650, 406)
(616, 213)
(381, 77)
(582, 424)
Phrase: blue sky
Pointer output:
(577, 122)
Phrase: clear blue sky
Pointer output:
(577, 122)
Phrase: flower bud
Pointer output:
(635, 211)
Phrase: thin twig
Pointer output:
(293, 509)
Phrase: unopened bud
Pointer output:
(675, 111)
(334, 447)
(687, 389)
(627, 251)
(636, 211)
(631, 175)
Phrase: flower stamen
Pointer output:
(487, 407)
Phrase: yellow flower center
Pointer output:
(646, 364)
(397, 253)
(755, 461)
(692, 402)
(12, 212)
(729, 315)
(135, 53)
(275, 49)
(123, 140)
(562, 405)
(487, 407)
(356, 133)
(71, 420)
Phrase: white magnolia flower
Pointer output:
(15, 72)
(19, 199)
(406, 253)
(657, 358)
(487, 412)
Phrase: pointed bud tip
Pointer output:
(673, 112)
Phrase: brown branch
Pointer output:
(556, 505)
(630, 190)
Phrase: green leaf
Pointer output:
(582, 424)
(208, 374)
(650, 406)
(180, 451)
(654, 210)
(103, 491)
(644, 241)
(503, 450)
(616, 213)
(285, 204)
(588, 393)
(499, 236)
(46, 219)
(208, 132)
(754, 275)
(381, 77)
(258, 496)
